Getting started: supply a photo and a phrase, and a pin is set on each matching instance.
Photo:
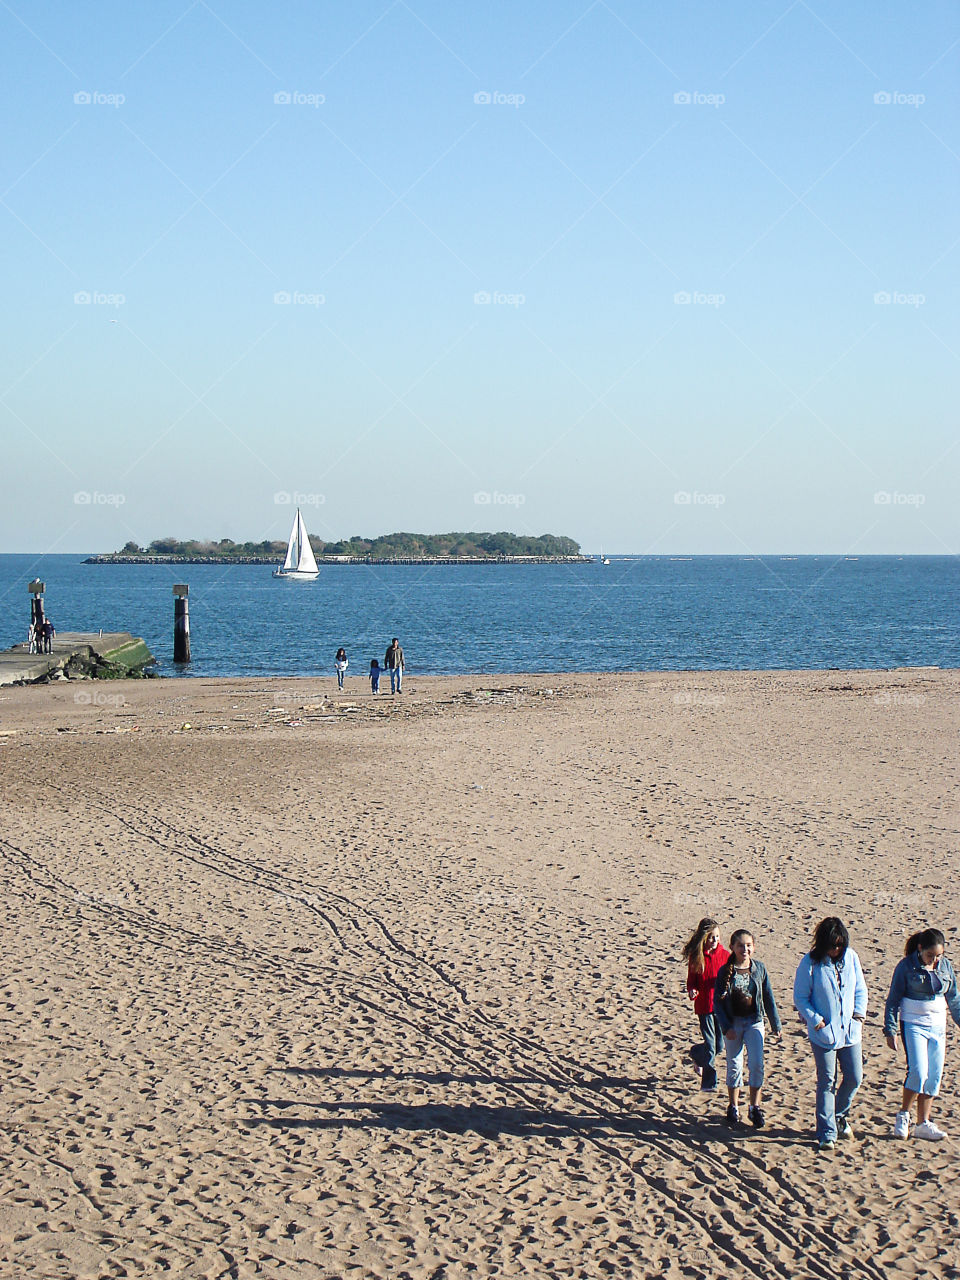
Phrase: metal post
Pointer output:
(181, 623)
(36, 589)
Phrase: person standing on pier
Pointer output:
(49, 631)
(393, 661)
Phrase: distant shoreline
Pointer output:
(338, 560)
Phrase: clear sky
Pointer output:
(665, 278)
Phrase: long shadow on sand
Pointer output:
(494, 1119)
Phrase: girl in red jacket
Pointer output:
(705, 956)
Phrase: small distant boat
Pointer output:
(604, 559)
(301, 563)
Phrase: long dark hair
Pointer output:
(828, 934)
(693, 949)
(924, 939)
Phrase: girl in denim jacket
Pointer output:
(742, 998)
(924, 987)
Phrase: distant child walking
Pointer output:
(375, 670)
(924, 987)
(705, 956)
(341, 664)
(742, 999)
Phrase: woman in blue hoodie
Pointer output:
(830, 994)
(924, 987)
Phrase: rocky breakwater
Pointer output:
(77, 655)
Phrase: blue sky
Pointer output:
(664, 278)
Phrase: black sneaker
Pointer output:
(758, 1118)
(733, 1117)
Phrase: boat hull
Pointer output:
(296, 575)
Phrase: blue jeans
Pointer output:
(396, 676)
(746, 1035)
(924, 1049)
(831, 1101)
(704, 1055)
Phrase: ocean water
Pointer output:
(636, 614)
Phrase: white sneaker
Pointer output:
(901, 1126)
(929, 1131)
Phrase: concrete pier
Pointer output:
(113, 654)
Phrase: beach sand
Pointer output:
(332, 986)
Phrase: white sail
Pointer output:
(293, 550)
(307, 561)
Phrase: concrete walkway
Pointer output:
(119, 647)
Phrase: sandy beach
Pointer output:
(306, 984)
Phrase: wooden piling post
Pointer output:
(181, 623)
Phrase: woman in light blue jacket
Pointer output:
(830, 994)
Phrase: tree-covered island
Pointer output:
(466, 547)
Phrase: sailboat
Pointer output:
(300, 564)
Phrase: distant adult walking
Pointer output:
(341, 664)
(924, 987)
(830, 994)
(393, 661)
